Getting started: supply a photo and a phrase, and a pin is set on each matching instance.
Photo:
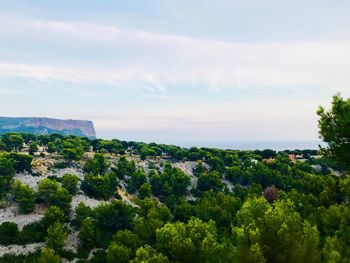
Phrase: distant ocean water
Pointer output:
(277, 145)
(254, 145)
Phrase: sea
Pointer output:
(277, 145)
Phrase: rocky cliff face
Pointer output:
(48, 126)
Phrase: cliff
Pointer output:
(47, 126)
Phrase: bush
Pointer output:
(70, 182)
(8, 233)
(25, 196)
(32, 233)
(61, 165)
(11, 258)
(22, 162)
(100, 186)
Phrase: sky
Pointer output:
(170, 71)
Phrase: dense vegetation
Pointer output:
(233, 206)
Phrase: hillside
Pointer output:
(47, 126)
(77, 200)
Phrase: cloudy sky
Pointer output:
(179, 70)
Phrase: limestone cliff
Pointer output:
(47, 126)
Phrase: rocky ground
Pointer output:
(20, 250)
(10, 214)
(44, 167)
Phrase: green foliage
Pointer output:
(171, 182)
(335, 130)
(88, 234)
(127, 239)
(52, 193)
(113, 146)
(48, 255)
(25, 196)
(199, 169)
(152, 216)
(137, 179)
(12, 141)
(73, 148)
(33, 147)
(8, 233)
(145, 190)
(53, 214)
(31, 233)
(70, 182)
(97, 165)
(275, 233)
(244, 209)
(218, 207)
(22, 162)
(216, 164)
(195, 241)
(7, 172)
(118, 254)
(56, 236)
(81, 212)
(124, 168)
(51, 148)
(113, 216)
(210, 181)
(100, 186)
(149, 255)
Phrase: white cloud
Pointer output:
(155, 60)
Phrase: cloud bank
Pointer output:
(132, 58)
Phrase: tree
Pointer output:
(71, 154)
(33, 148)
(47, 188)
(51, 148)
(195, 241)
(70, 182)
(218, 207)
(178, 181)
(150, 255)
(152, 216)
(2, 145)
(128, 239)
(199, 169)
(210, 181)
(100, 186)
(124, 168)
(118, 254)
(48, 255)
(97, 165)
(13, 141)
(53, 193)
(73, 148)
(53, 214)
(8, 233)
(22, 162)
(62, 199)
(25, 196)
(137, 179)
(145, 190)
(113, 216)
(82, 211)
(7, 172)
(275, 233)
(88, 233)
(335, 130)
(56, 236)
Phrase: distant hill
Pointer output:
(47, 126)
